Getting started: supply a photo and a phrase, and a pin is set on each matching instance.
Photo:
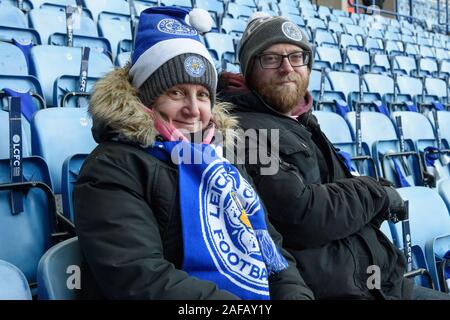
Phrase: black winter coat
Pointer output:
(323, 213)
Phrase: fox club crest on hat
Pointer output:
(264, 31)
(168, 51)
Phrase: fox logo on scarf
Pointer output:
(224, 231)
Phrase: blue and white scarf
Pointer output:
(224, 231)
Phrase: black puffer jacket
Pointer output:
(323, 213)
(127, 213)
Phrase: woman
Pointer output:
(152, 223)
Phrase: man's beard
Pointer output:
(283, 98)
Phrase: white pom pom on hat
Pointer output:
(200, 19)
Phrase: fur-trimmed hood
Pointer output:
(117, 111)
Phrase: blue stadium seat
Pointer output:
(378, 131)
(13, 283)
(12, 16)
(178, 3)
(221, 46)
(288, 9)
(48, 22)
(444, 192)
(417, 128)
(107, 8)
(24, 237)
(122, 59)
(51, 62)
(4, 133)
(345, 82)
(70, 171)
(61, 265)
(382, 84)
(58, 133)
(324, 38)
(334, 127)
(406, 64)
(234, 27)
(444, 124)
(39, 3)
(212, 6)
(12, 60)
(237, 11)
(248, 3)
(429, 223)
(437, 88)
(115, 31)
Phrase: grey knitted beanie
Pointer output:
(185, 68)
(264, 31)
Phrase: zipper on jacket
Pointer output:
(291, 168)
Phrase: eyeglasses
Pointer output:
(274, 61)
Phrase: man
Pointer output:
(328, 218)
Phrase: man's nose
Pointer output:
(286, 65)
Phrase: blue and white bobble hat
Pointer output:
(168, 51)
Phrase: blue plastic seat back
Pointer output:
(314, 81)
(296, 19)
(66, 84)
(114, 6)
(331, 55)
(360, 58)
(345, 82)
(221, 45)
(211, 6)
(12, 16)
(25, 237)
(248, 3)
(50, 62)
(233, 26)
(429, 65)
(60, 262)
(415, 125)
(436, 87)
(12, 60)
(427, 51)
(59, 133)
(13, 283)
(315, 23)
(428, 215)
(379, 83)
(238, 11)
(444, 192)
(429, 224)
(334, 127)
(47, 22)
(382, 60)
(408, 64)
(70, 171)
(444, 123)
(39, 3)
(409, 85)
(178, 3)
(335, 27)
(4, 134)
(122, 59)
(375, 126)
(324, 37)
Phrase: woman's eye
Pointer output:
(203, 95)
(176, 93)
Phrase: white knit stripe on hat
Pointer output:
(162, 52)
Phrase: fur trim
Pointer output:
(115, 104)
